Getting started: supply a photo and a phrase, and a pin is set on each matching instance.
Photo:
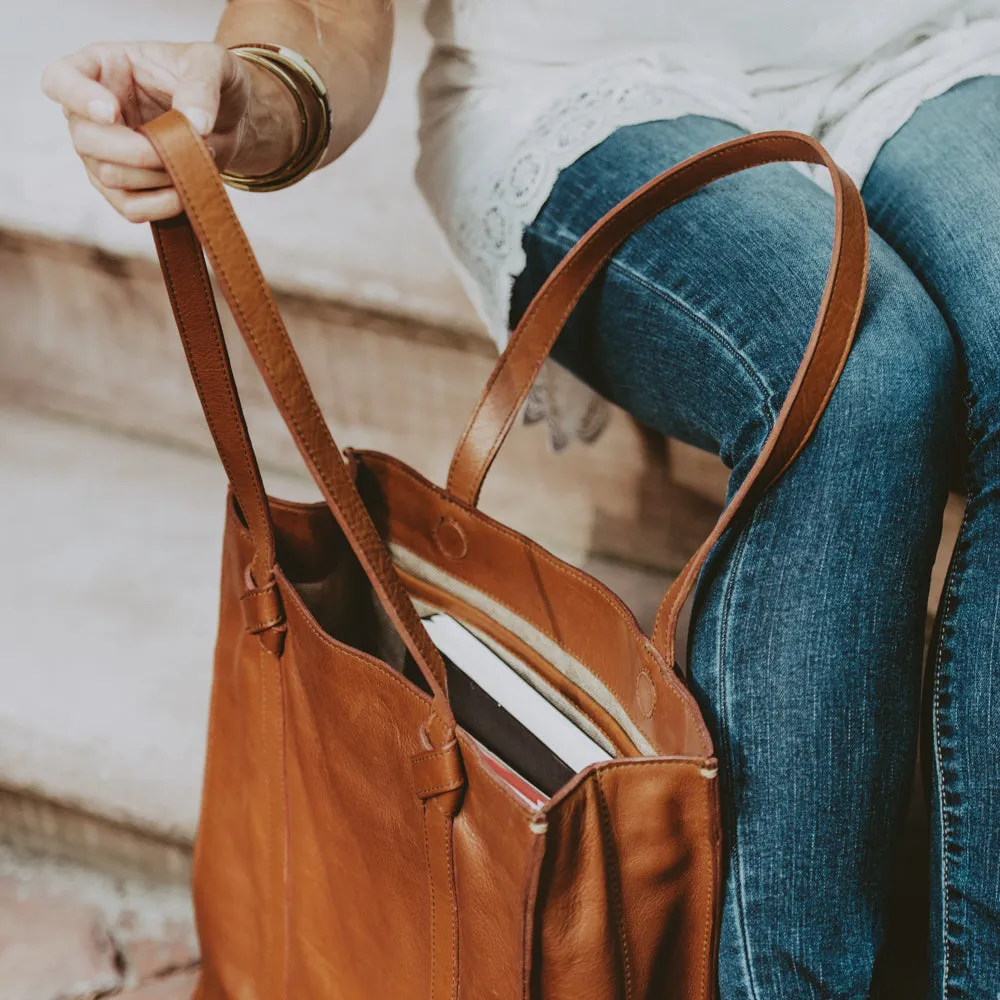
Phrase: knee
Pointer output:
(891, 417)
(896, 395)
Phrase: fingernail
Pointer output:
(198, 118)
(102, 111)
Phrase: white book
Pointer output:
(502, 683)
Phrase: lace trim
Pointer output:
(486, 237)
(488, 242)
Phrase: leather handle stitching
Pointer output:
(677, 176)
(353, 511)
(259, 502)
(343, 498)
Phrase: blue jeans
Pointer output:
(809, 621)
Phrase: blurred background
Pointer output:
(112, 498)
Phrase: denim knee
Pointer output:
(898, 390)
(892, 414)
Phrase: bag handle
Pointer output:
(197, 318)
(822, 362)
(209, 222)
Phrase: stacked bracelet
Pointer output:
(310, 95)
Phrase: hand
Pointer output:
(248, 117)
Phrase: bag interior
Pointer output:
(317, 560)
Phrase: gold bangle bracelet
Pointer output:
(275, 179)
(310, 95)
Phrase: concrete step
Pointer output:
(391, 342)
(90, 335)
(358, 232)
(109, 618)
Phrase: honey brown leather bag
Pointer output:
(353, 845)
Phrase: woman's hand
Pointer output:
(246, 114)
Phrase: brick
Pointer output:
(177, 987)
(152, 954)
(52, 947)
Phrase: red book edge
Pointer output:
(524, 788)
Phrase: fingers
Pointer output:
(204, 70)
(140, 206)
(115, 175)
(72, 82)
(114, 144)
(108, 89)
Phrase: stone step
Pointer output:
(90, 335)
(358, 232)
(392, 343)
(68, 932)
(109, 625)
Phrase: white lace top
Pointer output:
(518, 89)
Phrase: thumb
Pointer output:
(199, 86)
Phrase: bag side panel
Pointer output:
(237, 878)
(359, 920)
(493, 852)
(577, 946)
(628, 887)
(663, 817)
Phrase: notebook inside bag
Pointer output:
(317, 561)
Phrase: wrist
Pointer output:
(272, 129)
(309, 94)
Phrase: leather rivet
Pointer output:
(450, 538)
(645, 693)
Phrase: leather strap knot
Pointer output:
(438, 774)
(264, 614)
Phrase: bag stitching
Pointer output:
(266, 777)
(709, 901)
(611, 861)
(449, 837)
(433, 893)
(368, 661)
(673, 687)
(278, 675)
(256, 488)
(448, 787)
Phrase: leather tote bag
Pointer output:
(354, 844)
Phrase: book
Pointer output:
(531, 795)
(500, 709)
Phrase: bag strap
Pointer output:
(822, 363)
(195, 312)
(209, 222)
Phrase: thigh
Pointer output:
(808, 627)
(934, 193)
(699, 323)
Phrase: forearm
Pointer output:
(348, 42)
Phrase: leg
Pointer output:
(807, 638)
(934, 194)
